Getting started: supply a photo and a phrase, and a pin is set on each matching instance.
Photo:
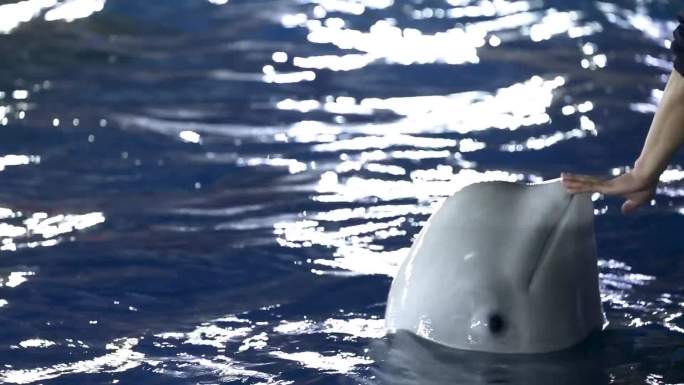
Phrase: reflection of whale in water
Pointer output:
(502, 267)
(618, 355)
(404, 359)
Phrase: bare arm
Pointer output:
(665, 136)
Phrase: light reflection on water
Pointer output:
(233, 206)
(14, 14)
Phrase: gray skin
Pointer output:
(502, 267)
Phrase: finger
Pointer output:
(572, 182)
(634, 201)
(570, 178)
(629, 206)
(641, 197)
(579, 189)
(582, 185)
(567, 176)
(579, 178)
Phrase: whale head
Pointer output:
(502, 267)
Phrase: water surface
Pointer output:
(219, 191)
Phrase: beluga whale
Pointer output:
(502, 267)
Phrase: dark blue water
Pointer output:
(204, 193)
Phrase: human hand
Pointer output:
(635, 189)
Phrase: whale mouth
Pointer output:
(548, 240)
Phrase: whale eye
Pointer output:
(496, 323)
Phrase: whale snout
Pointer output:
(502, 267)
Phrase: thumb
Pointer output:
(634, 201)
(629, 206)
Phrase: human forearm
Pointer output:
(666, 133)
(665, 136)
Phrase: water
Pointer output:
(196, 192)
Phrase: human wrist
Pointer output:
(646, 172)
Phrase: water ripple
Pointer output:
(220, 191)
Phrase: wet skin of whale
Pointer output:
(502, 267)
